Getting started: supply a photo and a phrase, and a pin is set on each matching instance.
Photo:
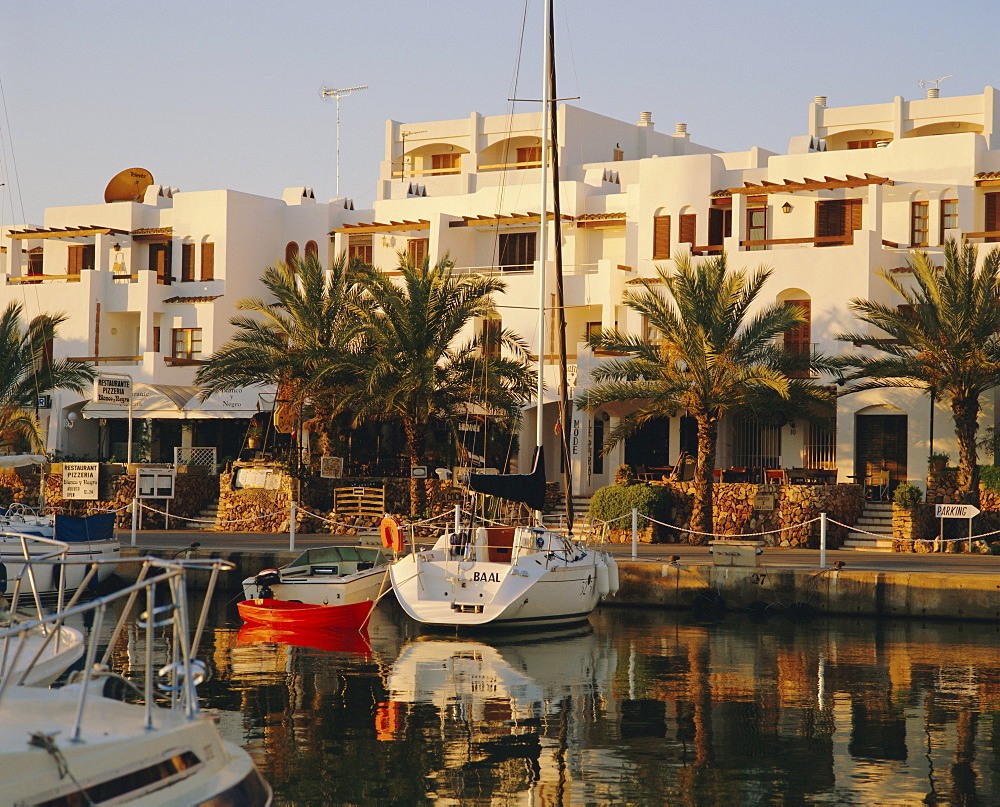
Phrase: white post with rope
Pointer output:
(291, 526)
(135, 516)
(822, 540)
(635, 533)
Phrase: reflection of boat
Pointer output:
(331, 640)
(87, 538)
(332, 575)
(285, 614)
(102, 738)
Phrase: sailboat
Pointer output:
(501, 576)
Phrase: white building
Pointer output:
(149, 287)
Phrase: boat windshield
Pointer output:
(339, 554)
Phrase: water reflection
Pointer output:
(640, 708)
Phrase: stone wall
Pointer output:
(734, 514)
(920, 532)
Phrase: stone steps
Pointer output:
(209, 513)
(876, 518)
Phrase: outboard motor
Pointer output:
(456, 544)
(264, 580)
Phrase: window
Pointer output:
(35, 268)
(529, 157)
(208, 261)
(417, 249)
(617, 155)
(821, 444)
(187, 343)
(661, 238)
(360, 247)
(517, 251)
(650, 333)
(797, 339)
(445, 164)
(291, 252)
(837, 219)
(992, 222)
(592, 330)
(687, 229)
(862, 144)
(156, 338)
(756, 223)
(919, 224)
(492, 328)
(187, 263)
(312, 250)
(160, 256)
(949, 217)
(80, 258)
(598, 448)
(720, 225)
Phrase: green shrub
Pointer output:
(907, 495)
(624, 475)
(989, 477)
(615, 501)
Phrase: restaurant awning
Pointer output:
(239, 403)
(148, 401)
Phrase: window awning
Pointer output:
(517, 219)
(383, 227)
(807, 184)
(148, 401)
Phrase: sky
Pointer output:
(208, 94)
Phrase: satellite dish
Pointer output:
(128, 186)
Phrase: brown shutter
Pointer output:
(74, 261)
(661, 237)
(852, 218)
(417, 249)
(187, 263)
(688, 228)
(208, 261)
(156, 338)
(798, 337)
(992, 223)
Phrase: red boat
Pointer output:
(287, 614)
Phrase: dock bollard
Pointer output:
(822, 540)
(635, 533)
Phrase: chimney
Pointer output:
(645, 119)
(820, 100)
(933, 92)
(680, 128)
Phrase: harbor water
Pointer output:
(635, 707)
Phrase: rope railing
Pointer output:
(938, 538)
(210, 521)
(731, 535)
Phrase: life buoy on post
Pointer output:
(392, 534)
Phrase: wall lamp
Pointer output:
(71, 419)
(786, 207)
(117, 247)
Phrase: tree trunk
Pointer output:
(965, 411)
(416, 436)
(701, 514)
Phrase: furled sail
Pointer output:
(526, 488)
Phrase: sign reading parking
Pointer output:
(955, 511)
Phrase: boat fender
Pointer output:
(603, 584)
(482, 544)
(392, 535)
(614, 581)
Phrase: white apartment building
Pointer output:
(149, 287)
(854, 192)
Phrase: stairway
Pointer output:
(876, 518)
(210, 514)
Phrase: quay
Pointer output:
(680, 576)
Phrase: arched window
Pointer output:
(312, 250)
(291, 252)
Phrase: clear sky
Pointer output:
(208, 94)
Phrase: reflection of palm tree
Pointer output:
(415, 369)
(27, 371)
(945, 339)
(709, 356)
(305, 339)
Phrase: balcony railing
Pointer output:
(41, 278)
(99, 360)
(527, 268)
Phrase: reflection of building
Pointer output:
(149, 288)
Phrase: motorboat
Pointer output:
(284, 614)
(503, 577)
(88, 538)
(104, 738)
(47, 653)
(332, 575)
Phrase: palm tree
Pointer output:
(304, 339)
(711, 354)
(944, 340)
(27, 370)
(416, 368)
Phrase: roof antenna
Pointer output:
(935, 91)
(326, 94)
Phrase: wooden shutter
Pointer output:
(187, 263)
(291, 252)
(74, 261)
(529, 154)
(992, 223)
(687, 229)
(798, 337)
(852, 218)
(417, 249)
(720, 225)
(156, 338)
(208, 261)
(661, 237)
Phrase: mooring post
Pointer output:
(291, 526)
(635, 533)
(458, 517)
(135, 516)
(822, 540)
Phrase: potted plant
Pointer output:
(938, 461)
(255, 436)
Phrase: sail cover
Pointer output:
(526, 488)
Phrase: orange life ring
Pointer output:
(392, 535)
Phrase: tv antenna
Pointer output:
(326, 94)
(934, 91)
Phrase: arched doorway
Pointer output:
(880, 442)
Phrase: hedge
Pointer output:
(615, 501)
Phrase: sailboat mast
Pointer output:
(543, 230)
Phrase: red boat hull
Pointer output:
(285, 614)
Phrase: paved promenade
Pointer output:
(949, 563)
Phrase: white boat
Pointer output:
(104, 739)
(87, 538)
(513, 576)
(331, 575)
(505, 577)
